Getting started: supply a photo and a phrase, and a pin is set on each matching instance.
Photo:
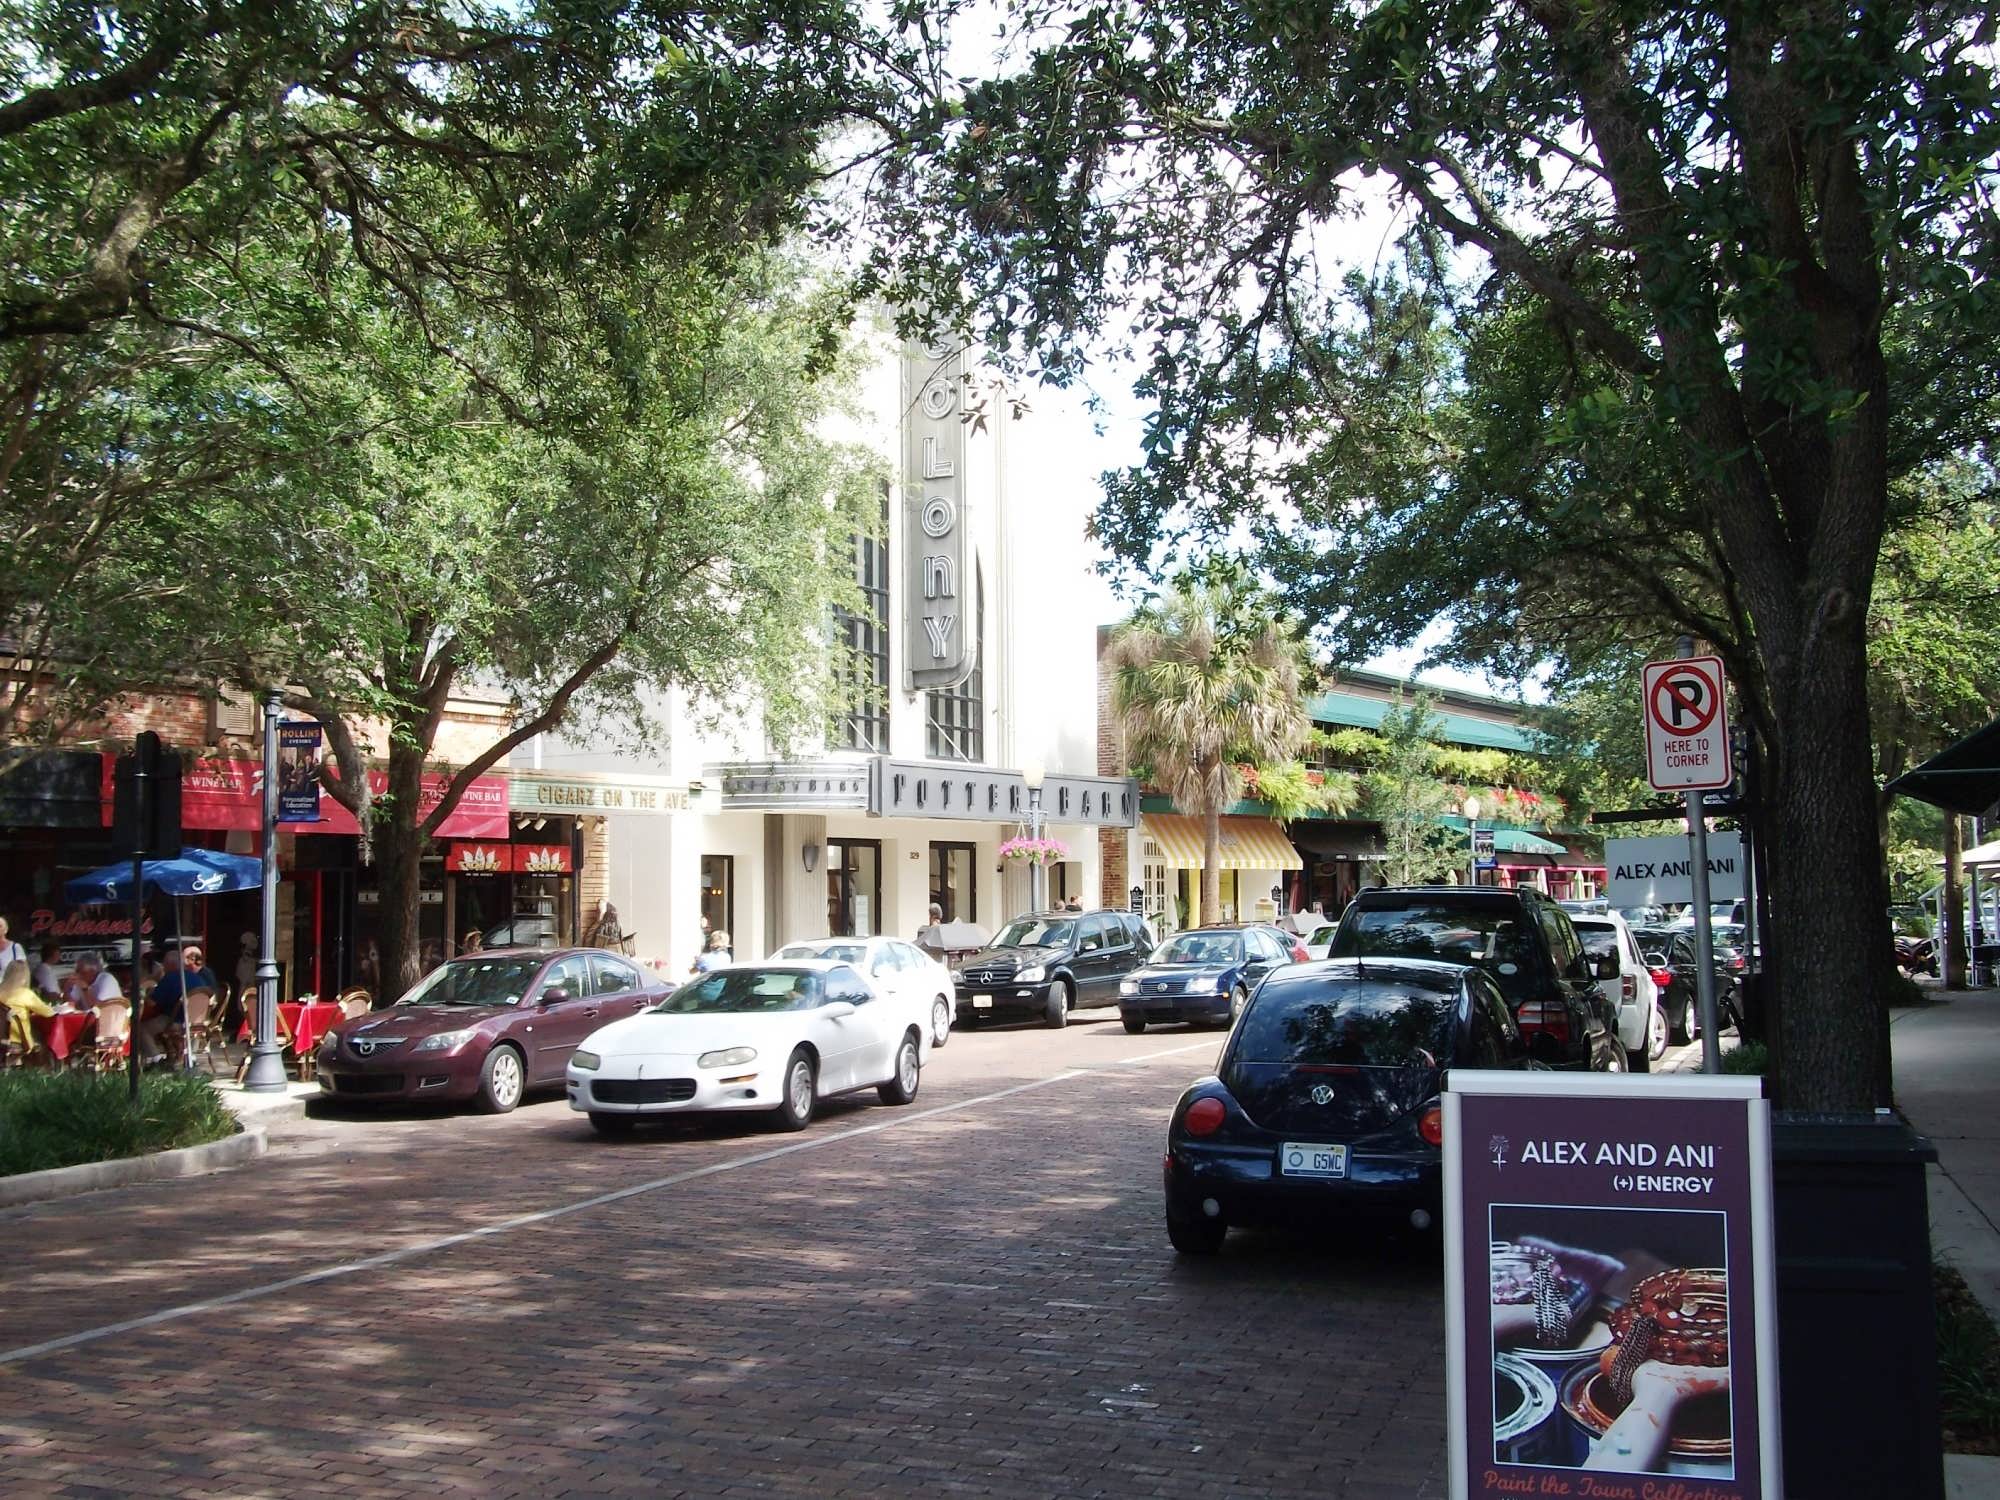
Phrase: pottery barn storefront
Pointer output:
(858, 847)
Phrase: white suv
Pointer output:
(1627, 984)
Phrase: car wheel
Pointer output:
(501, 1080)
(1656, 1034)
(940, 1021)
(1614, 1057)
(1196, 1234)
(1061, 998)
(902, 1089)
(1134, 1024)
(801, 1092)
(1237, 1000)
(1683, 1027)
(609, 1124)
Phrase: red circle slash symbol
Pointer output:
(1684, 695)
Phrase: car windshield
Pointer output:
(847, 953)
(475, 981)
(1492, 937)
(1200, 948)
(1727, 935)
(1035, 932)
(734, 991)
(1321, 936)
(1387, 1027)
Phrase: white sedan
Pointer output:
(777, 1037)
(893, 967)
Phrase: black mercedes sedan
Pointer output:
(1326, 1100)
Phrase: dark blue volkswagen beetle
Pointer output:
(1326, 1100)
(1202, 975)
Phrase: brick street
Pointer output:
(980, 1301)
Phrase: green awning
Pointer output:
(1358, 711)
(1512, 840)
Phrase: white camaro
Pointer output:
(775, 1036)
(894, 967)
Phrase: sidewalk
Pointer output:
(1947, 1061)
(266, 1109)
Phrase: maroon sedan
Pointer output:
(489, 1026)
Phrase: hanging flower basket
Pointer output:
(1035, 851)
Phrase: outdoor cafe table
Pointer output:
(60, 1033)
(307, 1023)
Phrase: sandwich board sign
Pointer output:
(1687, 726)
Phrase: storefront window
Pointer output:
(955, 881)
(853, 887)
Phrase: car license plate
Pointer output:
(982, 1002)
(1305, 1159)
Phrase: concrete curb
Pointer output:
(93, 1176)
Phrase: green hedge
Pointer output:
(63, 1119)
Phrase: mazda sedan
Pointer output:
(486, 1027)
(1326, 1100)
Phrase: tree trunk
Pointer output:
(1211, 865)
(1951, 930)
(399, 852)
(1830, 900)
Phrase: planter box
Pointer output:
(1857, 1336)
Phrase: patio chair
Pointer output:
(204, 1027)
(355, 1002)
(114, 1031)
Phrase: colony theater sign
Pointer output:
(926, 789)
(938, 649)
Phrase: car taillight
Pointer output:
(1431, 1126)
(1204, 1117)
(1664, 978)
(1735, 960)
(1546, 1016)
(1628, 989)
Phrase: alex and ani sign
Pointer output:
(1610, 1308)
(938, 649)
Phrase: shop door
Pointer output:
(955, 881)
(718, 892)
(853, 887)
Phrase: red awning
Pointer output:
(226, 794)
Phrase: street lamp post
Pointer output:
(266, 1074)
(1033, 774)
(1472, 841)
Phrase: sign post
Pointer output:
(1688, 750)
(1483, 855)
(1611, 1316)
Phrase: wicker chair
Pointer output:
(114, 1032)
(355, 1002)
(203, 1020)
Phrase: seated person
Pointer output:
(43, 980)
(17, 1003)
(90, 985)
(183, 975)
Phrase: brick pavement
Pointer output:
(979, 1303)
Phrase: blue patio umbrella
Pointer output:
(194, 872)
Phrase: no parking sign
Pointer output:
(1687, 726)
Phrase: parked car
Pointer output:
(1202, 975)
(486, 1027)
(1050, 963)
(892, 966)
(1325, 1100)
(1595, 906)
(1673, 947)
(1319, 942)
(1644, 916)
(1627, 982)
(1524, 942)
(777, 1037)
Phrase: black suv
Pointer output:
(1049, 963)
(1521, 938)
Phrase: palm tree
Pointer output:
(1205, 679)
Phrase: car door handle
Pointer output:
(589, 1013)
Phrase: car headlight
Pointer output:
(1033, 974)
(447, 1041)
(1128, 986)
(588, 1061)
(958, 976)
(728, 1057)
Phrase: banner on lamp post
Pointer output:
(298, 771)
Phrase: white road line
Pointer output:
(582, 1205)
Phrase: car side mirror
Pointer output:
(555, 994)
(837, 1010)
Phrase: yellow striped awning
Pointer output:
(1247, 843)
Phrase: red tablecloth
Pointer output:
(59, 1034)
(307, 1023)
